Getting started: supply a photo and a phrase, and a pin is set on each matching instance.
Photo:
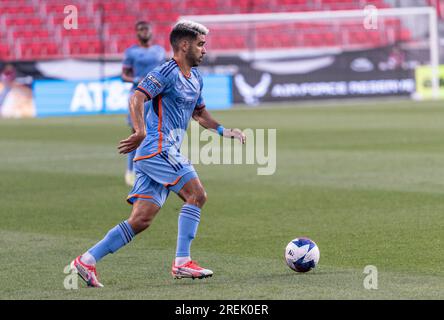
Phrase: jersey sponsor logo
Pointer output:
(185, 103)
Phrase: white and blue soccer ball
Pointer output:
(302, 254)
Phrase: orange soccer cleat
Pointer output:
(191, 270)
(88, 273)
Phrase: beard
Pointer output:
(193, 60)
(145, 39)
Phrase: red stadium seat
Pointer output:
(4, 52)
(18, 10)
(59, 17)
(42, 49)
(85, 47)
(27, 21)
(84, 32)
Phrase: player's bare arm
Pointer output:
(208, 122)
(136, 112)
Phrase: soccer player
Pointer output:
(138, 61)
(176, 91)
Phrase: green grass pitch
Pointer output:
(365, 181)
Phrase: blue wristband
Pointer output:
(220, 130)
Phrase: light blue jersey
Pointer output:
(175, 96)
(143, 60)
(159, 166)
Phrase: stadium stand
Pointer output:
(33, 29)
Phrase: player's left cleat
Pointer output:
(86, 272)
(130, 178)
(191, 270)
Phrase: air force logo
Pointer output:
(251, 94)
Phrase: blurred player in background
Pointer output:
(138, 61)
(176, 91)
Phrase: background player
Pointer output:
(138, 61)
(175, 88)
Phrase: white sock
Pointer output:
(181, 260)
(88, 259)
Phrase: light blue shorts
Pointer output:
(156, 176)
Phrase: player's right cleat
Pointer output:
(191, 270)
(86, 272)
(130, 178)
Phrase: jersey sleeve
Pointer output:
(128, 61)
(200, 104)
(153, 84)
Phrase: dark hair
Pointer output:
(142, 23)
(185, 30)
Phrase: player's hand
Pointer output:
(131, 143)
(235, 134)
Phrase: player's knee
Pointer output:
(140, 223)
(198, 198)
(204, 197)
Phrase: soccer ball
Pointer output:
(302, 254)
